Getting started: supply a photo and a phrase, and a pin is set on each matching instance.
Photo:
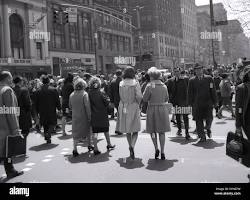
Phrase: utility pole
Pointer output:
(138, 8)
(212, 25)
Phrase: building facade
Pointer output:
(113, 39)
(190, 35)
(24, 37)
(237, 41)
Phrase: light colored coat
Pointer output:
(156, 94)
(129, 120)
(8, 122)
(81, 114)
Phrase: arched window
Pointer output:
(17, 36)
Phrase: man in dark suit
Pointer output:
(114, 92)
(202, 96)
(24, 102)
(217, 80)
(47, 101)
(177, 88)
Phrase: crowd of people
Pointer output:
(88, 100)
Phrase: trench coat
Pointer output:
(81, 114)
(156, 94)
(9, 124)
(129, 120)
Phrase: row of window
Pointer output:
(114, 42)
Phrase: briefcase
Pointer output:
(15, 146)
(238, 149)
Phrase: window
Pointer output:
(74, 36)
(58, 40)
(115, 43)
(17, 36)
(39, 50)
(86, 30)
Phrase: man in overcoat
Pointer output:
(202, 97)
(48, 102)
(8, 121)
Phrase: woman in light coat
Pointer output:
(81, 114)
(129, 120)
(156, 94)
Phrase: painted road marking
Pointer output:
(27, 169)
(30, 164)
(64, 153)
(46, 160)
(65, 149)
(49, 156)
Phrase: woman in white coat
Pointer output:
(129, 120)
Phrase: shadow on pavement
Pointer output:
(181, 140)
(43, 147)
(118, 136)
(160, 165)
(209, 144)
(19, 159)
(66, 137)
(4, 179)
(88, 158)
(128, 163)
(220, 122)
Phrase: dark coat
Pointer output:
(114, 91)
(99, 108)
(177, 90)
(202, 96)
(67, 89)
(25, 104)
(47, 101)
(243, 108)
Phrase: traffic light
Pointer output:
(56, 17)
(65, 17)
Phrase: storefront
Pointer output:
(24, 67)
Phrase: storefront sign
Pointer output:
(125, 61)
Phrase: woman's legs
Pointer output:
(64, 121)
(134, 139)
(162, 141)
(129, 138)
(154, 139)
(107, 138)
(75, 142)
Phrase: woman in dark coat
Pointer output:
(99, 103)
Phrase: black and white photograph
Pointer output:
(125, 91)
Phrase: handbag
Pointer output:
(238, 148)
(15, 146)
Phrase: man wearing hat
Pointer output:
(202, 97)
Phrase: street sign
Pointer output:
(221, 23)
(72, 14)
(182, 60)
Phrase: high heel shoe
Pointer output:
(132, 153)
(110, 147)
(75, 153)
(157, 153)
(97, 152)
(163, 156)
(91, 148)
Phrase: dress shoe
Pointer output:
(14, 174)
(97, 152)
(209, 133)
(48, 141)
(187, 136)
(110, 147)
(179, 133)
(163, 156)
(132, 153)
(157, 153)
(91, 148)
(118, 133)
(75, 153)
